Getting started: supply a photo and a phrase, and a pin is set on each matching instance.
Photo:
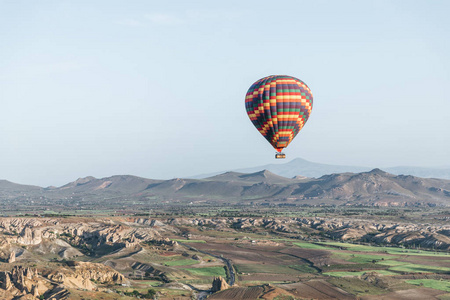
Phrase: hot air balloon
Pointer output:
(279, 107)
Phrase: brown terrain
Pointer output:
(71, 258)
(230, 236)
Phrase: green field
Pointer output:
(356, 247)
(415, 268)
(190, 241)
(391, 263)
(181, 262)
(363, 258)
(352, 267)
(208, 271)
(359, 273)
(153, 283)
(442, 285)
(401, 251)
(306, 245)
(400, 266)
(389, 250)
(303, 268)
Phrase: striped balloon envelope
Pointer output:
(279, 107)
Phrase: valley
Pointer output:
(180, 258)
(230, 236)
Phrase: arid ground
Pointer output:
(317, 255)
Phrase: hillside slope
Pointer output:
(375, 187)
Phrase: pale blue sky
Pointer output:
(156, 88)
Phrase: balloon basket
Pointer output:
(280, 155)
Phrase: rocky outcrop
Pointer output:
(375, 279)
(12, 257)
(30, 237)
(23, 281)
(34, 291)
(72, 281)
(81, 275)
(98, 234)
(99, 272)
(18, 224)
(219, 284)
(92, 235)
(5, 279)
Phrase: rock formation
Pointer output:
(23, 281)
(26, 282)
(81, 275)
(30, 237)
(12, 257)
(34, 291)
(219, 284)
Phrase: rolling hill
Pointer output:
(374, 187)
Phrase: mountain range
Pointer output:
(374, 187)
(303, 167)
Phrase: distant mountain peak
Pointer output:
(299, 159)
(84, 180)
(377, 171)
(230, 173)
(303, 167)
(265, 176)
(265, 173)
